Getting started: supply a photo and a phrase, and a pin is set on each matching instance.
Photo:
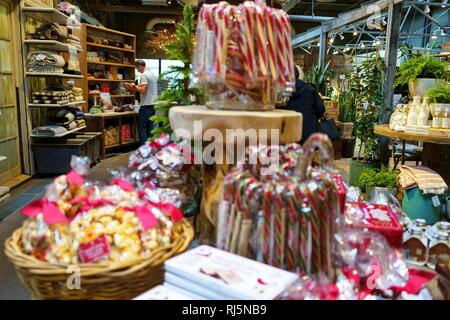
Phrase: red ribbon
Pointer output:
(52, 214)
(174, 212)
(417, 279)
(159, 143)
(75, 178)
(144, 214)
(125, 185)
(89, 204)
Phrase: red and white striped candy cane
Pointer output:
(270, 44)
(261, 40)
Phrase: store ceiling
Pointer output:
(124, 8)
(133, 16)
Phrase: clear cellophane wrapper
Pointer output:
(243, 56)
(283, 215)
(166, 170)
(74, 212)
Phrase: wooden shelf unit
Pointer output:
(101, 121)
(88, 30)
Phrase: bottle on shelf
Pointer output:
(413, 111)
(437, 117)
(445, 117)
(423, 114)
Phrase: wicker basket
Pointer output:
(101, 281)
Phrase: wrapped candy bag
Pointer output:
(46, 233)
(368, 264)
(243, 55)
(165, 170)
(316, 287)
(80, 222)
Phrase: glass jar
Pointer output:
(437, 117)
(438, 246)
(415, 246)
(445, 117)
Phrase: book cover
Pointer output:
(230, 275)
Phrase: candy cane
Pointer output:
(261, 40)
(271, 44)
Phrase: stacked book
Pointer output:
(212, 274)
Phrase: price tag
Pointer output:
(342, 76)
(94, 250)
(436, 201)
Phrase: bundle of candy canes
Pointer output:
(81, 222)
(282, 215)
(243, 55)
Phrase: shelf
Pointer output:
(111, 114)
(111, 64)
(59, 135)
(129, 142)
(110, 31)
(8, 138)
(47, 14)
(104, 46)
(109, 80)
(44, 105)
(46, 44)
(49, 74)
(443, 54)
(112, 146)
(116, 95)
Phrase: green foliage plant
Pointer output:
(367, 93)
(180, 89)
(439, 94)
(423, 66)
(318, 77)
(383, 177)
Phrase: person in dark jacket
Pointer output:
(307, 101)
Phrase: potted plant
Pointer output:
(439, 97)
(421, 73)
(318, 76)
(366, 85)
(378, 180)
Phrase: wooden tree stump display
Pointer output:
(195, 123)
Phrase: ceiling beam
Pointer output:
(291, 5)
(137, 9)
(344, 19)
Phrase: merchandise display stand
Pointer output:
(435, 148)
(188, 119)
(100, 121)
(36, 81)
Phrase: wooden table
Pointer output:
(436, 147)
(186, 119)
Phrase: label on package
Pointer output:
(436, 201)
(94, 250)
